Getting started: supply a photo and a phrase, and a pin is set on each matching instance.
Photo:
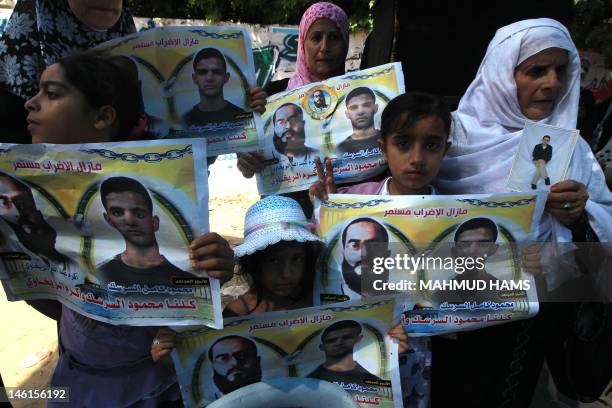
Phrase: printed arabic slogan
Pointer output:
(338, 118)
(194, 83)
(105, 229)
(454, 260)
(316, 343)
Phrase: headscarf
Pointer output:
(316, 12)
(38, 33)
(488, 125)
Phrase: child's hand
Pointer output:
(250, 163)
(326, 184)
(212, 253)
(163, 344)
(257, 99)
(400, 335)
(531, 259)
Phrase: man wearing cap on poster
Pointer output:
(210, 76)
(129, 210)
(356, 238)
(289, 136)
(338, 341)
(361, 107)
(235, 363)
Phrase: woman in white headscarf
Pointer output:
(531, 71)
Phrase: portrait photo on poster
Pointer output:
(542, 158)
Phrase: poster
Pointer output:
(105, 229)
(194, 83)
(542, 158)
(445, 256)
(298, 343)
(339, 118)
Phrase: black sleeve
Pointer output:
(275, 87)
(548, 154)
(13, 125)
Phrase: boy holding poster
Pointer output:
(87, 99)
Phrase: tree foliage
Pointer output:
(245, 11)
(592, 27)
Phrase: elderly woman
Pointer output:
(38, 33)
(322, 48)
(531, 71)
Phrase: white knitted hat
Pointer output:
(271, 220)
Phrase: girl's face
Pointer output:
(325, 49)
(59, 113)
(540, 81)
(282, 268)
(415, 154)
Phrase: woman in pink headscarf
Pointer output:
(322, 48)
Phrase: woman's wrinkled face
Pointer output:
(98, 14)
(540, 82)
(325, 49)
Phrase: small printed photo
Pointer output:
(542, 157)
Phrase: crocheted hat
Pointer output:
(271, 220)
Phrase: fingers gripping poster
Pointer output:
(345, 344)
(195, 83)
(445, 256)
(339, 118)
(105, 229)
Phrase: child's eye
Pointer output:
(402, 144)
(433, 146)
(52, 95)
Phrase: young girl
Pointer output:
(414, 129)
(86, 99)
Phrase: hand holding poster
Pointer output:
(106, 228)
(344, 343)
(339, 118)
(195, 83)
(442, 254)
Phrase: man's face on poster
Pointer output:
(210, 76)
(359, 236)
(360, 110)
(11, 195)
(319, 99)
(545, 140)
(289, 127)
(339, 343)
(475, 243)
(234, 364)
(129, 213)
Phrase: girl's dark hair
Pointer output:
(251, 266)
(104, 83)
(404, 110)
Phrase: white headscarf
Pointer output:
(488, 125)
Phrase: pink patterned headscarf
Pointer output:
(316, 12)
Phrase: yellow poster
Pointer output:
(344, 344)
(194, 83)
(453, 260)
(105, 229)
